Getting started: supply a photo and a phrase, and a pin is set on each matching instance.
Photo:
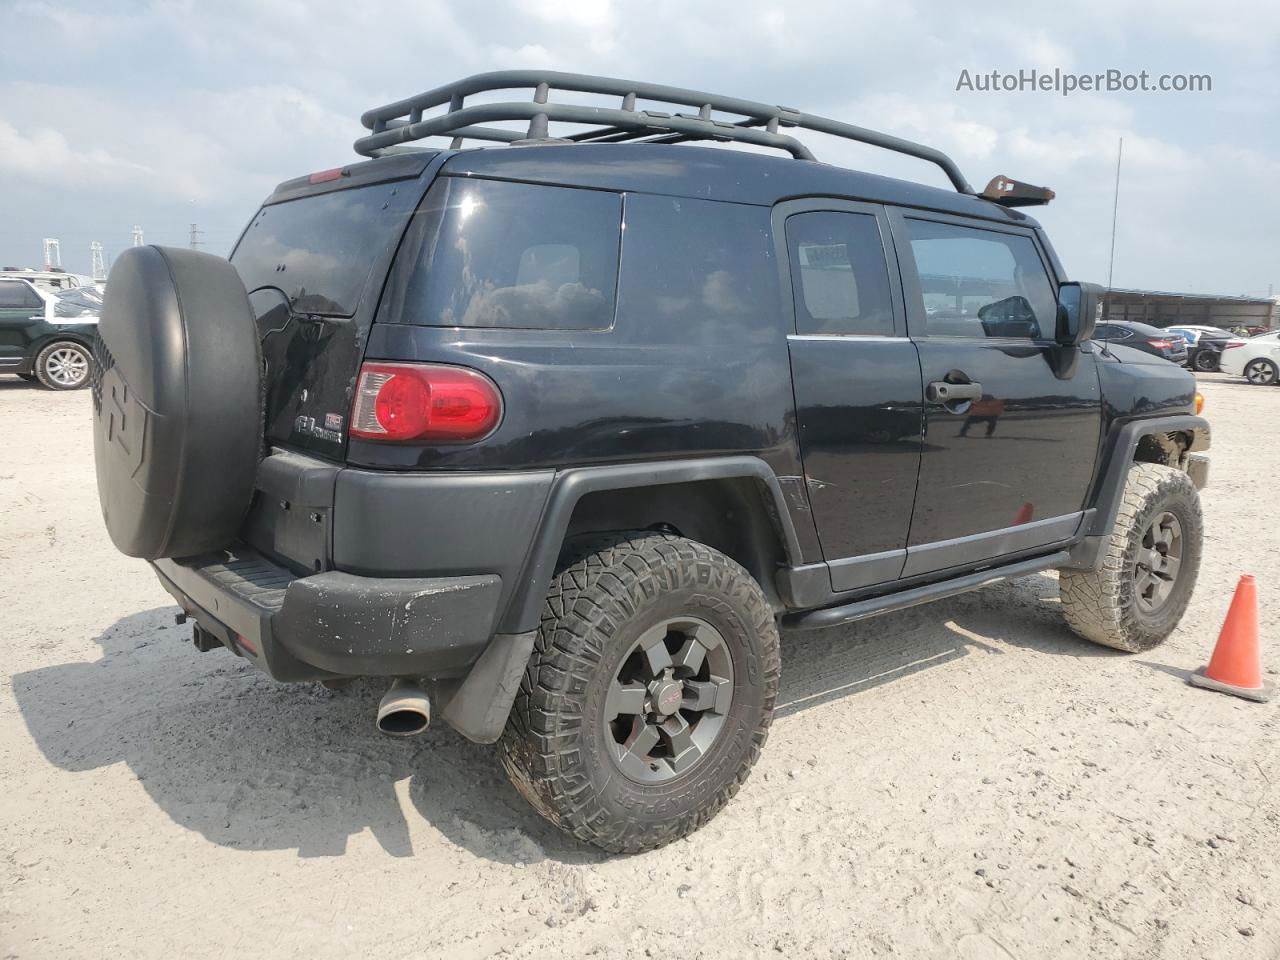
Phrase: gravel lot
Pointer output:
(958, 780)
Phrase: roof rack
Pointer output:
(756, 123)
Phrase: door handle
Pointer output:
(940, 391)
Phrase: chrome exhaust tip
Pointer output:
(404, 710)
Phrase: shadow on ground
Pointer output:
(252, 764)
(13, 382)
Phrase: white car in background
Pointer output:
(1258, 361)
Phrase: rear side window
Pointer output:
(318, 250)
(838, 274)
(488, 253)
(17, 295)
(981, 283)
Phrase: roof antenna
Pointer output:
(1115, 209)
(1111, 259)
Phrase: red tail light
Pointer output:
(424, 403)
(1233, 345)
(1161, 344)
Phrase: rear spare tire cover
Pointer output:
(177, 403)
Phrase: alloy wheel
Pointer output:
(668, 700)
(67, 366)
(1260, 371)
(1158, 562)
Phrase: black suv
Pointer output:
(555, 436)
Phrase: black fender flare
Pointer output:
(523, 610)
(1104, 499)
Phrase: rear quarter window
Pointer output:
(490, 253)
(698, 271)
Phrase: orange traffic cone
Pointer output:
(1236, 664)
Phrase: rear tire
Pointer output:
(1261, 371)
(605, 739)
(63, 365)
(1148, 567)
(1206, 361)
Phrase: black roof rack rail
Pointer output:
(759, 123)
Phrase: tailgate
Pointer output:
(313, 260)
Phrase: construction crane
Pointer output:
(52, 254)
(98, 267)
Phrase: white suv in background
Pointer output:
(1258, 361)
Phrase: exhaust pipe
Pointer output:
(405, 710)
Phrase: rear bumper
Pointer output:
(335, 623)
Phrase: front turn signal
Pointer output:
(1199, 402)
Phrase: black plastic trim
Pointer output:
(335, 624)
(524, 608)
(861, 609)
(976, 548)
(1106, 500)
(438, 523)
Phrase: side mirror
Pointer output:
(1079, 311)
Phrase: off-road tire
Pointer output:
(1101, 605)
(607, 591)
(49, 378)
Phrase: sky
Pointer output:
(161, 114)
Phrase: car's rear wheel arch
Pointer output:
(730, 515)
(745, 517)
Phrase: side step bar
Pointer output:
(861, 609)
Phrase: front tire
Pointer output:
(649, 693)
(63, 365)
(1148, 567)
(1261, 372)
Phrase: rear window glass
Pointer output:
(488, 253)
(318, 250)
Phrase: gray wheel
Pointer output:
(649, 693)
(1206, 361)
(1148, 567)
(1260, 371)
(63, 365)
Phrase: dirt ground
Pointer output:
(958, 780)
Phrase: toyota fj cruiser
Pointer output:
(554, 437)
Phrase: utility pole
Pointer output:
(137, 236)
(1115, 209)
(195, 236)
(52, 254)
(98, 267)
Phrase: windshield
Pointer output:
(318, 250)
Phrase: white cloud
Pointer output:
(46, 156)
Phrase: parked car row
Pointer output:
(1202, 348)
(45, 335)
(1257, 360)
